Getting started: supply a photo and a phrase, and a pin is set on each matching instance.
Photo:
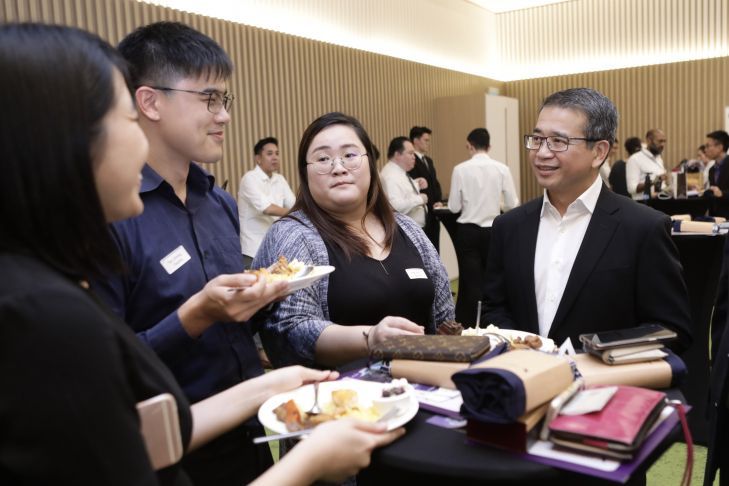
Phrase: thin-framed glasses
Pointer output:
(555, 143)
(216, 100)
(324, 163)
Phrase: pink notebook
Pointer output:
(620, 426)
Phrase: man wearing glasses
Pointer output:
(580, 258)
(182, 255)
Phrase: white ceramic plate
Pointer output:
(548, 345)
(298, 283)
(304, 398)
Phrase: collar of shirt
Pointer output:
(262, 175)
(655, 158)
(398, 168)
(420, 156)
(197, 178)
(585, 202)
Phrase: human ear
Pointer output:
(148, 102)
(601, 149)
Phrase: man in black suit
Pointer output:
(581, 258)
(424, 167)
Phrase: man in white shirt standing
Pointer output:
(581, 258)
(647, 162)
(402, 191)
(263, 197)
(477, 188)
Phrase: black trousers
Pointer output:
(472, 250)
(432, 229)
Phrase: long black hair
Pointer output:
(56, 85)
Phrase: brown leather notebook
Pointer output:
(463, 349)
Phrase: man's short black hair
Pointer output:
(163, 52)
(632, 145)
(721, 137)
(417, 132)
(397, 145)
(262, 143)
(479, 138)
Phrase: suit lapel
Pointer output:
(599, 232)
(527, 245)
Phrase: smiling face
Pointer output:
(341, 192)
(565, 175)
(189, 129)
(118, 157)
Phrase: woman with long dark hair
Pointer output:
(71, 373)
(388, 280)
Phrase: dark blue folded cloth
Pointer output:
(679, 372)
(491, 395)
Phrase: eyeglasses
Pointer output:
(554, 143)
(324, 164)
(216, 100)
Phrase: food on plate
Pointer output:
(516, 339)
(281, 270)
(450, 328)
(531, 341)
(398, 386)
(344, 403)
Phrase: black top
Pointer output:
(425, 168)
(365, 290)
(71, 374)
(617, 179)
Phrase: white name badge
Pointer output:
(415, 273)
(175, 259)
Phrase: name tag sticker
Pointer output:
(414, 273)
(175, 259)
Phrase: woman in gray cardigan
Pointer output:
(389, 279)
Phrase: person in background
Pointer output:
(718, 409)
(425, 168)
(478, 186)
(402, 191)
(71, 371)
(581, 258)
(263, 197)
(716, 146)
(617, 179)
(183, 253)
(388, 278)
(647, 162)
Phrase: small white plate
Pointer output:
(298, 283)
(304, 398)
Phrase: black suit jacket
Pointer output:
(723, 182)
(627, 272)
(425, 168)
(718, 453)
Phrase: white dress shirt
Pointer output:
(477, 186)
(257, 192)
(558, 242)
(402, 192)
(638, 166)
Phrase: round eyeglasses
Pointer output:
(216, 100)
(324, 164)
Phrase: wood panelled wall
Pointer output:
(684, 99)
(281, 82)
